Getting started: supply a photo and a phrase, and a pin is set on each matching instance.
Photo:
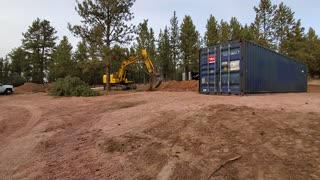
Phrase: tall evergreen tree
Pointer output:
(247, 32)
(1, 69)
(81, 53)
(295, 43)
(5, 72)
(174, 44)
(211, 36)
(39, 43)
(80, 57)
(143, 36)
(164, 54)
(224, 32)
(264, 22)
(283, 23)
(312, 52)
(189, 38)
(152, 45)
(145, 40)
(62, 64)
(235, 29)
(111, 17)
(18, 61)
(118, 54)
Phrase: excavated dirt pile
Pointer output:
(314, 89)
(179, 86)
(32, 88)
(175, 86)
(186, 86)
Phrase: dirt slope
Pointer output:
(174, 86)
(32, 88)
(180, 86)
(186, 86)
(160, 135)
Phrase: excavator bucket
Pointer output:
(157, 81)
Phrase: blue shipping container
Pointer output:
(243, 67)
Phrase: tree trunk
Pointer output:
(187, 72)
(108, 66)
(151, 82)
(108, 86)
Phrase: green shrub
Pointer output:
(17, 81)
(71, 86)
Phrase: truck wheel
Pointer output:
(8, 91)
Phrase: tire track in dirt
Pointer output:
(31, 119)
(20, 142)
(34, 120)
(164, 136)
(80, 156)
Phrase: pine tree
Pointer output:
(175, 44)
(118, 54)
(80, 57)
(5, 70)
(143, 36)
(312, 52)
(295, 43)
(264, 22)
(111, 18)
(62, 64)
(224, 32)
(39, 43)
(283, 23)
(152, 45)
(18, 61)
(235, 29)
(211, 36)
(145, 40)
(1, 70)
(81, 53)
(247, 33)
(164, 54)
(189, 38)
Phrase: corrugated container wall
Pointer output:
(243, 67)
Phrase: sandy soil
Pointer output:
(32, 88)
(160, 135)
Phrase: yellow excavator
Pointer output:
(120, 80)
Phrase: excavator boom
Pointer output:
(121, 80)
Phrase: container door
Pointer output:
(229, 68)
(208, 70)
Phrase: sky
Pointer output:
(17, 15)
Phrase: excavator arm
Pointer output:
(123, 68)
(146, 60)
(121, 79)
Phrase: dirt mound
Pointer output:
(179, 86)
(32, 88)
(314, 89)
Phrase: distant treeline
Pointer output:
(106, 27)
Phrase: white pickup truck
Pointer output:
(6, 89)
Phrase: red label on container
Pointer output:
(212, 59)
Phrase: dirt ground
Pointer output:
(31, 88)
(160, 135)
